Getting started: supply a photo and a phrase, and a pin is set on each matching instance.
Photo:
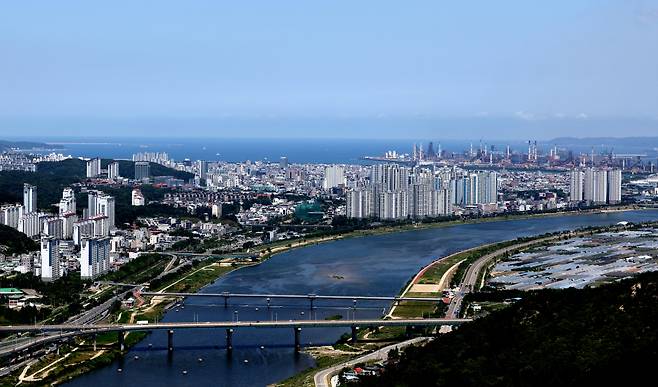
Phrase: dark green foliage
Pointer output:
(600, 336)
(64, 291)
(50, 178)
(25, 315)
(127, 170)
(16, 241)
(140, 269)
(189, 244)
(125, 212)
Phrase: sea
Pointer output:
(307, 150)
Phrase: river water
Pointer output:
(374, 265)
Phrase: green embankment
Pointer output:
(597, 336)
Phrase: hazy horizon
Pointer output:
(368, 68)
(460, 128)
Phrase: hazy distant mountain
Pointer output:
(641, 142)
(5, 145)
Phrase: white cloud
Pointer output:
(525, 115)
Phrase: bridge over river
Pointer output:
(60, 331)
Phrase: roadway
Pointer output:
(91, 316)
(323, 378)
(291, 296)
(472, 274)
(87, 329)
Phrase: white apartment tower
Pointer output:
(54, 227)
(614, 186)
(113, 171)
(106, 208)
(10, 215)
(576, 181)
(94, 257)
(359, 203)
(334, 176)
(93, 167)
(30, 224)
(67, 203)
(50, 268)
(596, 186)
(29, 198)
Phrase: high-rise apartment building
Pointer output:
(50, 259)
(94, 257)
(595, 186)
(101, 205)
(334, 176)
(576, 181)
(29, 198)
(113, 171)
(30, 224)
(487, 187)
(10, 214)
(359, 203)
(67, 204)
(105, 207)
(202, 167)
(53, 227)
(93, 167)
(142, 170)
(83, 229)
(614, 186)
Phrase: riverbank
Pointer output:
(473, 264)
(267, 251)
(199, 276)
(82, 356)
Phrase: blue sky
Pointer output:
(482, 68)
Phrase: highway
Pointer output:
(292, 296)
(87, 329)
(91, 316)
(472, 274)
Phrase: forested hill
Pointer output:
(6, 145)
(601, 336)
(15, 242)
(51, 177)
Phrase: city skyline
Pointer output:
(294, 193)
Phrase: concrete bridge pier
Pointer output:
(355, 330)
(229, 339)
(268, 302)
(298, 345)
(170, 340)
(225, 302)
(120, 337)
(93, 337)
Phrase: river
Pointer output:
(373, 265)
